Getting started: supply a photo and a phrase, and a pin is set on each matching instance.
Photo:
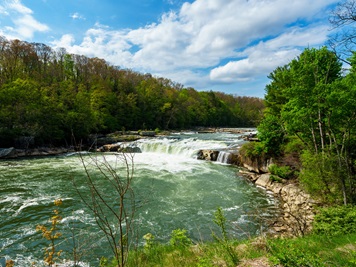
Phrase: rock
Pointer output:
(297, 207)
(109, 148)
(7, 152)
(208, 154)
(256, 165)
(263, 180)
(130, 149)
(148, 133)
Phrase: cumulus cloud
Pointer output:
(267, 55)
(99, 41)
(25, 25)
(253, 36)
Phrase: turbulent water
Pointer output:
(174, 189)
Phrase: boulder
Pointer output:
(258, 165)
(148, 133)
(129, 149)
(7, 152)
(208, 154)
(263, 180)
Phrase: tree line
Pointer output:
(311, 111)
(48, 96)
(310, 115)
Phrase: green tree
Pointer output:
(309, 99)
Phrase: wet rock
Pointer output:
(7, 152)
(208, 154)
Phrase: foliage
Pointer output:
(339, 220)
(149, 241)
(54, 96)
(318, 177)
(281, 171)
(271, 134)
(293, 145)
(252, 150)
(276, 179)
(287, 255)
(308, 100)
(179, 238)
(220, 220)
(52, 234)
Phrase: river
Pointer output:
(174, 189)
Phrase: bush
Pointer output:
(252, 150)
(274, 178)
(335, 221)
(281, 171)
(289, 255)
(320, 177)
(293, 145)
(179, 238)
(271, 134)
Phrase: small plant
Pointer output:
(149, 241)
(52, 234)
(179, 238)
(10, 263)
(276, 179)
(220, 220)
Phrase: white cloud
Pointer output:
(101, 42)
(76, 16)
(264, 57)
(25, 25)
(184, 45)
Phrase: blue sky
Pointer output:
(221, 45)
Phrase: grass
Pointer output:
(311, 250)
(314, 250)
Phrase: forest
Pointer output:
(311, 115)
(50, 97)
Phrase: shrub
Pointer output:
(289, 255)
(275, 179)
(320, 177)
(252, 150)
(281, 171)
(335, 221)
(293, 145)
(179, 238)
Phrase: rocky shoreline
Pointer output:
(11, 153)
(296, 206)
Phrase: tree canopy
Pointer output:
(310, 99)
(49, 96)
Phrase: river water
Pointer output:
(173, 188)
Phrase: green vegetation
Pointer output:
(281, 171)
(335, 221)
(309, 125)
(52, 98)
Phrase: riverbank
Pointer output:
(296, 206)
(96, 142)
(11, 153)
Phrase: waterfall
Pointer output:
(224, 157)
(184, 147)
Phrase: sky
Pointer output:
(229, 46)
